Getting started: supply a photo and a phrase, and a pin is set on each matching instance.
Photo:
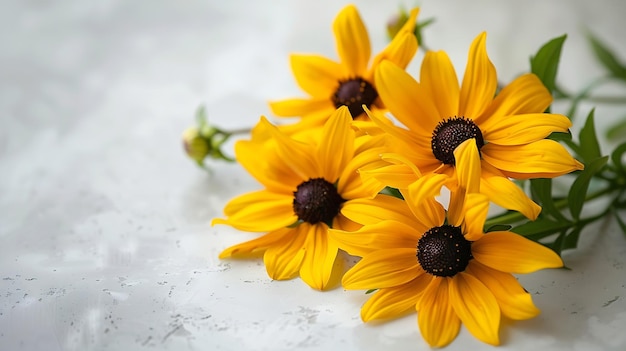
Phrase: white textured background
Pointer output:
(105, 242)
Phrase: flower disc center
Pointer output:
(451, 133)
(444, 251)
(317, 200)
(354, 93)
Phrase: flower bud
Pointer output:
(196, 147)
(395, 23)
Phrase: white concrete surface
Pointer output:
(105, 242)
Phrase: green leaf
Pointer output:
(618, 130)
(498, 228)
(578, 192)
(589, 146)
(542, 190)
(558, 136)
(545, 63)
(557, 244)
(370, 291)
(621, 223)
(392, 192)
(419, 27)
(201, 117)
(616, 157)
(607, 57)
(540, 228)
(571, 239)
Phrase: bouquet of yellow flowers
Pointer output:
(401, 172)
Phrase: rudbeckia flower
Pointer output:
(444, 266)
(308, 179)
(438, 115)
(349, 82)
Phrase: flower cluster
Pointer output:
(363, 171)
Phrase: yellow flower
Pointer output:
(308, 178)
(510, 128)
(449, 271)
(348, 82)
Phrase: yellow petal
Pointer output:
(438, 77)
(476, 307)
(382, 207)
(468, 168)
(309, 126)
(510, 252)
(262, 162)
(341, 222)
(400, 159)
(302, 107)
(436, 318)
(259, 211)
(506, 194)
(476, 210)
(380, 236)
(395, 176)
(351, 184)
(299, 156)
(406, 136)
(515, 302)
(541, 159)
(425, 188)
(284, 258)
(480, 81)
(524, 129)
(525, 94)
(400, 51)
(319, 257)
(393, 302)
(383, 269)
(406, 99)
(316, 75)
(336, 148)
(259, 244)
(353, 44)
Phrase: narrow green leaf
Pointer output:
(618, 130)
(392, 192)
(620, 221)
(617, 158)
(545, 63)
(571, 239)
(542, 190)
(558, 136)
(607, 57)
(578, 192)
(557, 244)
(419, 27)
(498, 228)
(589, 146)
(201, 118)
(543, 226)
(370, 291)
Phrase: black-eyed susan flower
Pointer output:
(443, 266)
(349, 82)
(438, 115)
(308, 179)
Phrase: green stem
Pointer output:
(598, 99)
(514, 217)
(238, 131)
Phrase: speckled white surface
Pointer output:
(105, 242)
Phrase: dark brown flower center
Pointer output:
(444, 251)
(317, 200)
(451, 133)
(355, 93)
